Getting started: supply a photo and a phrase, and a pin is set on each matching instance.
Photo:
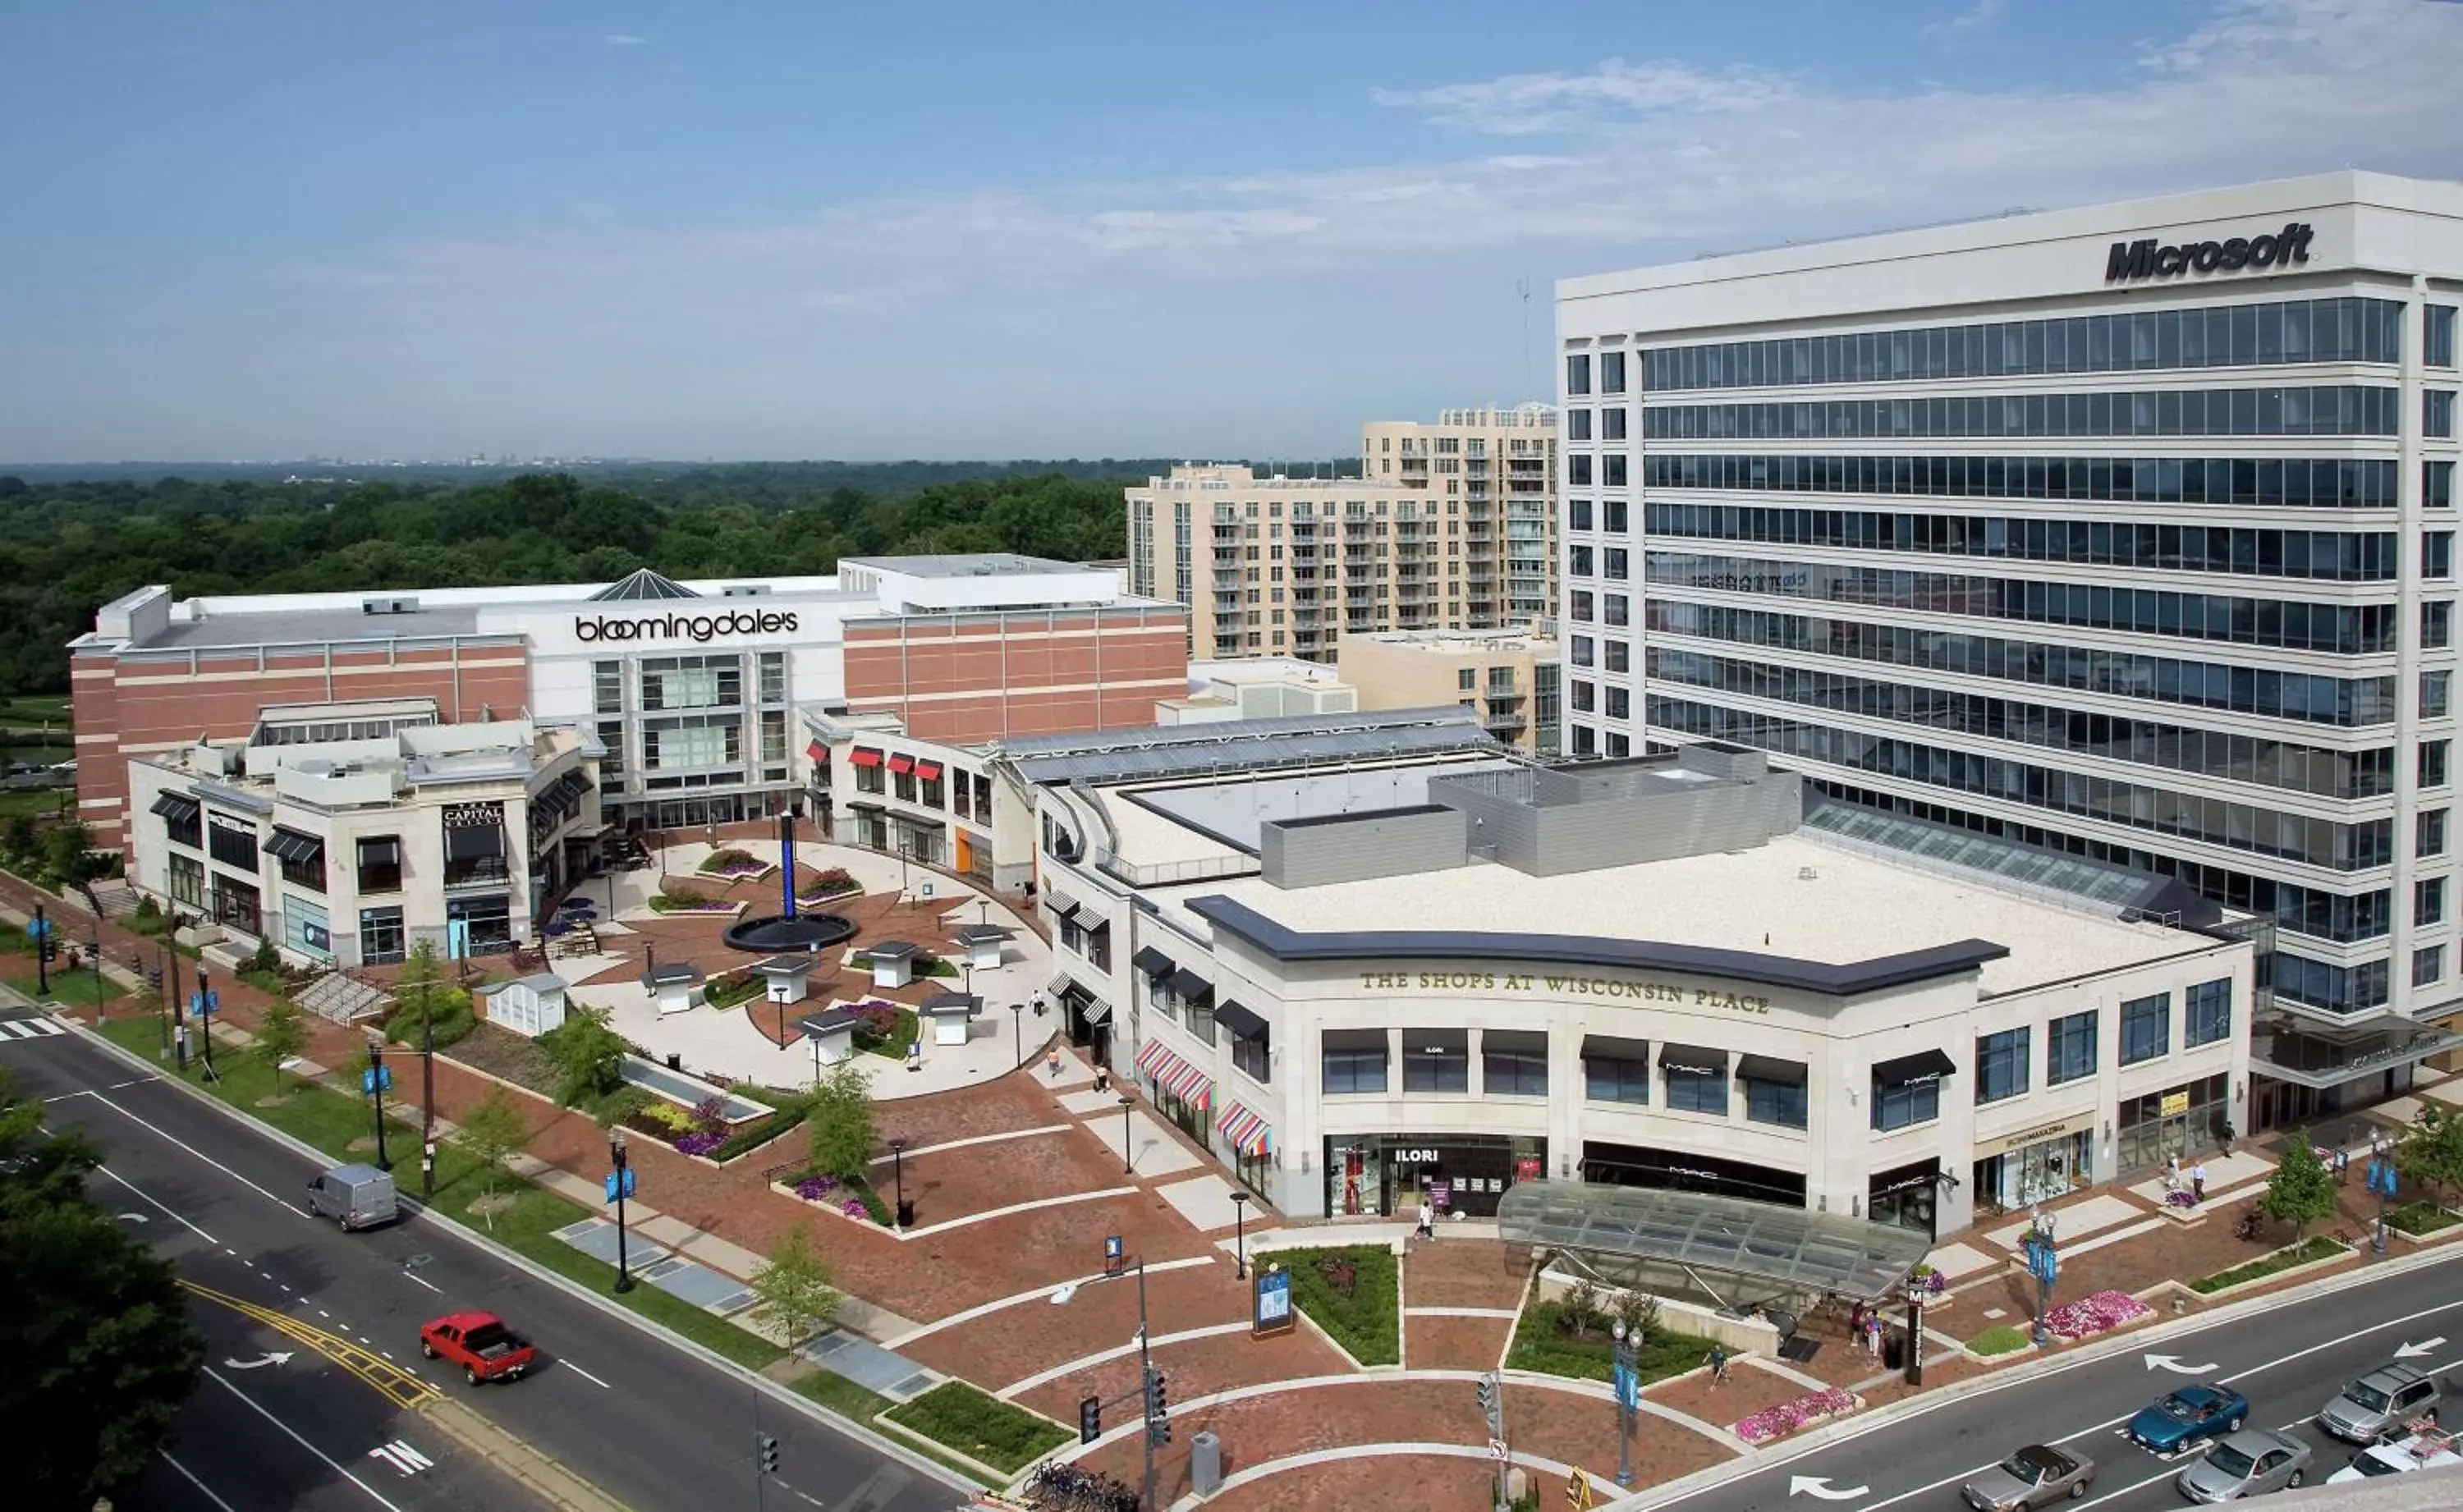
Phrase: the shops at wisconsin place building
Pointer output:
(1365, 958)
(2124, 531)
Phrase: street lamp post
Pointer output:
(1145, 1373)
(1628, 1366)
(616, 1157)
(2381, 1178)
(376, 1090)
(207, 1002)
(1018, 1023)
(1128, 1159)
(426, 1092)
(2043, 1263)
(1240, 1235)
(898, 1174)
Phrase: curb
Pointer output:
(2123, 1342)
(419, 1211)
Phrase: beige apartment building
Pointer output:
(1509, 677)
(1448, 529)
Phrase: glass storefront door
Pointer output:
(2038, 1172)
(1387, 1174)
(2181, 1120)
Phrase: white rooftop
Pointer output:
(1851, 908)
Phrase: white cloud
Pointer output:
(625, 39)
(1520, 104)
(1974, 18)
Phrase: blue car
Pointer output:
(2187, 1419)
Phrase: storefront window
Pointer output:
(1514, 1063)
(1616, 1071)
(380, 936)
(2145, 1028)
(1906, 1105)
(187, 881)
(1390, 1174)
(1353, 1062)
(2002, 1063)
(1436, 1060)
(2207, 1014)
(1697, 1079)
(2175, 1121)
(1780, 1103)
(1905, 1197)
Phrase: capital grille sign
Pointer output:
(2150, 257)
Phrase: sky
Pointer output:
(796, 228)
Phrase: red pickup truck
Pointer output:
(480, 1343)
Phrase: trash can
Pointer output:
(907, 1213)
(1206, 1463)
(1895, 1351)
(675, 1063)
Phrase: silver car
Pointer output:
(2250, 1462)
(2036, 1476)
(2381, 1404)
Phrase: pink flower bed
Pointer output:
(1787, 1417)
(2104, 1310)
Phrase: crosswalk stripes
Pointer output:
(401, 1456)
(29, 1029)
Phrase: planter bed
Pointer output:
(1367, 1320)
(835, 1198)
(662, 904)
(1775, 1423)
(983, 1428)
(1541, 1347)
(2099, 1313)
(2310, 1254)
(2421, 1221)
(1996, 1344)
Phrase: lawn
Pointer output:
(34, 711)
(2316, 1248)
(35, 803)
(80, 986)
(1008, 1438)
(1540, 1343)
(1365, 1317)
(1999, 1339)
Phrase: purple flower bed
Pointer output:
(2095, 1314)
(853, 1207)
(699, 1142)
(2179, 1200)
(814, 1188)
(1778, 1422)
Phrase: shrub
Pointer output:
(826, 884)
(1999, 1339)
(1639, 1312)
(729, 860)
(670, 1118)
(267, 959)
(1579, 1313)
(980, 1426)
(1341, 1272)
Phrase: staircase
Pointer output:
(342, 997)
(111, 898)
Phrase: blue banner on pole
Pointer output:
(610, 1184)
(205, 1003)
(376, 1079)
(2382, 1176)
(38, 928)
(1629, 1388)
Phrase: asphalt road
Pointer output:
(2289, 1362)
(649, 1424)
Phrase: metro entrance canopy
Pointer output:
(1785, 1246)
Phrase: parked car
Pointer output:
(2424, 1448)
(2247, 1463)
(2376, 1406)
(2036, 1476)
(353, 1196)
(480, 1343)
(2189, 1418)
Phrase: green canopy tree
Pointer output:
(794, 1293)
(2431, 1149)
(2300, 1192)
(494, 1132)
(841, 1129)
(281, 1033)
(101, 1354)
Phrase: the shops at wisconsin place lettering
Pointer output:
(2150, 257)
(1566, 987)
(687, 627)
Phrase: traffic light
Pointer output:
(766, 1450)
(1158, 1411)
(50, 945)
(1488, 1395)
(1090, 1419)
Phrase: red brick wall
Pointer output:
(152, 703)
(1027, 672)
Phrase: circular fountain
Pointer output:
(790, 930)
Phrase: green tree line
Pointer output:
(69, 547)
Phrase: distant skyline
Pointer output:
(281, 228)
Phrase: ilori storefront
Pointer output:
(1384, 1174)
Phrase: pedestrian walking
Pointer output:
(2343, 1165)
(1873, 1333)
(1428, 1220)
(2172, 1172)
(2223, 1138)
(1037, 1002)
(1717, 1360)
(1051, 1064)
(2198, 1183)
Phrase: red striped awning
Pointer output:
(1246, 1132)
(863, 756)
(1175, 1075)
(902, 765)
(818, 751)
(927, 770)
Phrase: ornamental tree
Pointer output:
(2300, 1192)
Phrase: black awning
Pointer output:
(1098, 1011)
(1153, 962)
(1924, 1066)
(1059, 904)
(290, 845)
(382, 851)
(916, 821)
(177, 809)
(1190, 988)
(1239, 1020)
(1763, 1068)
(1692, 1060)
(864, 805)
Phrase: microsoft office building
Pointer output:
(2125, 531)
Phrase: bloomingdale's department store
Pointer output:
(1791, 1014)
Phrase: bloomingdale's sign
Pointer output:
(2149, 258)
(687, 627)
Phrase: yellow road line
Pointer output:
(395, 1383)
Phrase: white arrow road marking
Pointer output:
(1820, 1486)
(2173, 1362)
(2428, 1346)
(135, 1218)
(401, 1456)
(274, 1357)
